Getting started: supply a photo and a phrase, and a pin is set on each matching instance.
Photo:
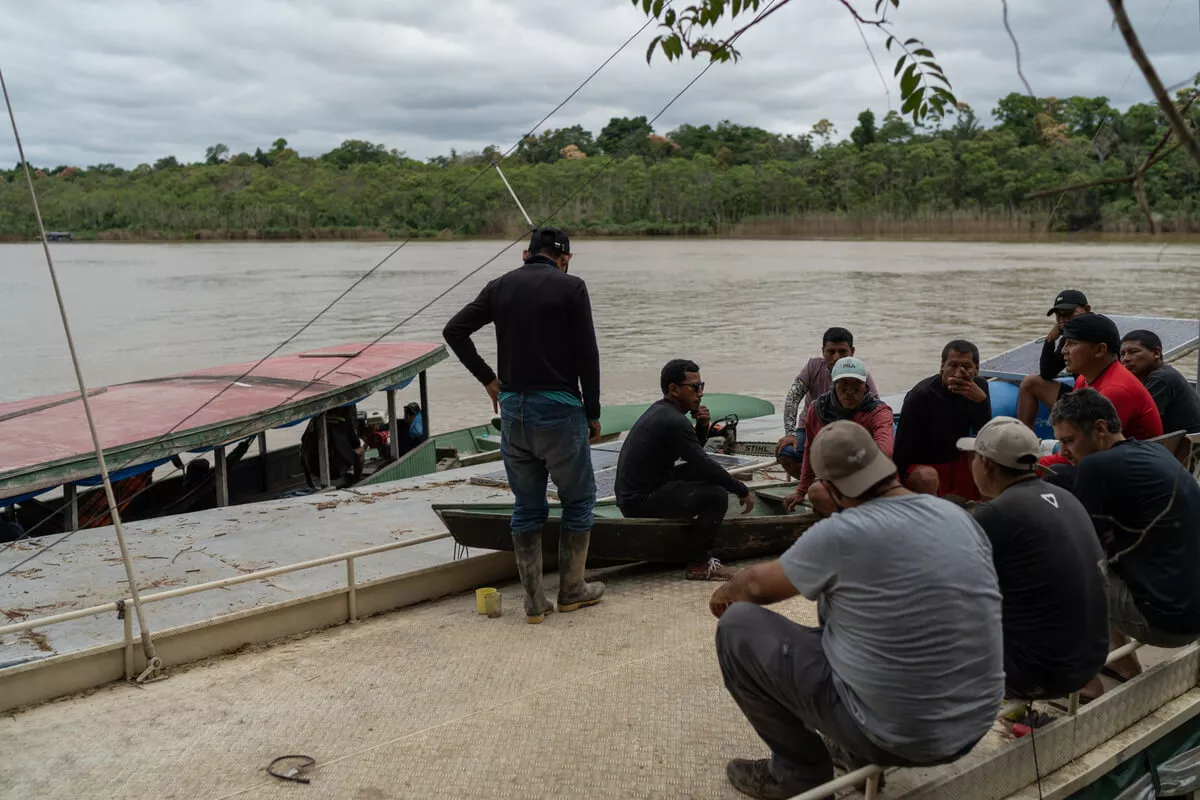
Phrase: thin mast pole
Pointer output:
(516, 199)
(153, 664)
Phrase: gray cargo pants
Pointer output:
(779, 677)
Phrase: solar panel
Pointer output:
(604, 466)
(1178, 335)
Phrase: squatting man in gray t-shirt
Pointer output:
(907, 667)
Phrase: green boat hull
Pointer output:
(765, 531)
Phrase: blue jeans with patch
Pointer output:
(540, 438)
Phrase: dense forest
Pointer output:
(885, 177)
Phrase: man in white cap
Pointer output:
(1047, 558)
(850, 397)
(907, 666)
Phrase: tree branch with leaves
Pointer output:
(925, 91)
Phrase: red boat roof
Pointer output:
(45, 441)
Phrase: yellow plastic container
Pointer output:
(481, 599)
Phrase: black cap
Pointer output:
(1068, 299)
(550, 237)
(1094, 328)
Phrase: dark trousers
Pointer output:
(681, 498)
(777, 673)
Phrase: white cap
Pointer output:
(1006, 441)
(849, 367)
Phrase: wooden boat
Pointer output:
(45, 442)
(767, 530)
(480, 444)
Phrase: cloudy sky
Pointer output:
(129, 81)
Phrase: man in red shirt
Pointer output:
(1091, 347)
(850, 398)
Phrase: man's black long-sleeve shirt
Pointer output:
(545, 339)
(933, 419)
(659, 438)
(1052, 363)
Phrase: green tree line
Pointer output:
(693, 179)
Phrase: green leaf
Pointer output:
(650, 50)
(912, 101)
(658, 5)
(924, 52)
(914, 40)
(888, 44)
(646, 5)
(735, 8)
(899, 65)
(669, 19)
(909, 81)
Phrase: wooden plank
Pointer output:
(221, 469)
(323, 452)
(393, 425)
(262, 461)
(71, 496)
(424, 379)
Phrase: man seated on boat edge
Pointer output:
(1091, 344)
(1146, 510)
(548, 395)
(1045, 550)
(650, 484)
(936, 413)
(1177, 402)
(1042, 387)
(907, 666)
(814, 380)
(850, 398)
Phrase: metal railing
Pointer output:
(872, 772)
(120, 606)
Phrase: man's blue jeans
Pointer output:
(540, 438)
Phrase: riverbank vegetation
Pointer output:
(887, 178)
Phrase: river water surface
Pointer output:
(749, 312)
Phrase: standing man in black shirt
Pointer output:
(1146, 509)
(1048, 560)
(1178, 404)
(548, 395)
(1043, 388)
(649, 484)
(937, 412)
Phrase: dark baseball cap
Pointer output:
(1093, 328)
(1068, 299)
(550, 237)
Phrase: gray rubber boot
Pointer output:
(573, 592)
(528, 549)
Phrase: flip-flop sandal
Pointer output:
(1109, 672)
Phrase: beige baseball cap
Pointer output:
(845, 454)
(1006, 441)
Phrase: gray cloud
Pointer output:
(129, 81)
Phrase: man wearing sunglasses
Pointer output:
(651, 484)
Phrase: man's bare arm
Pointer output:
(761, 584)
